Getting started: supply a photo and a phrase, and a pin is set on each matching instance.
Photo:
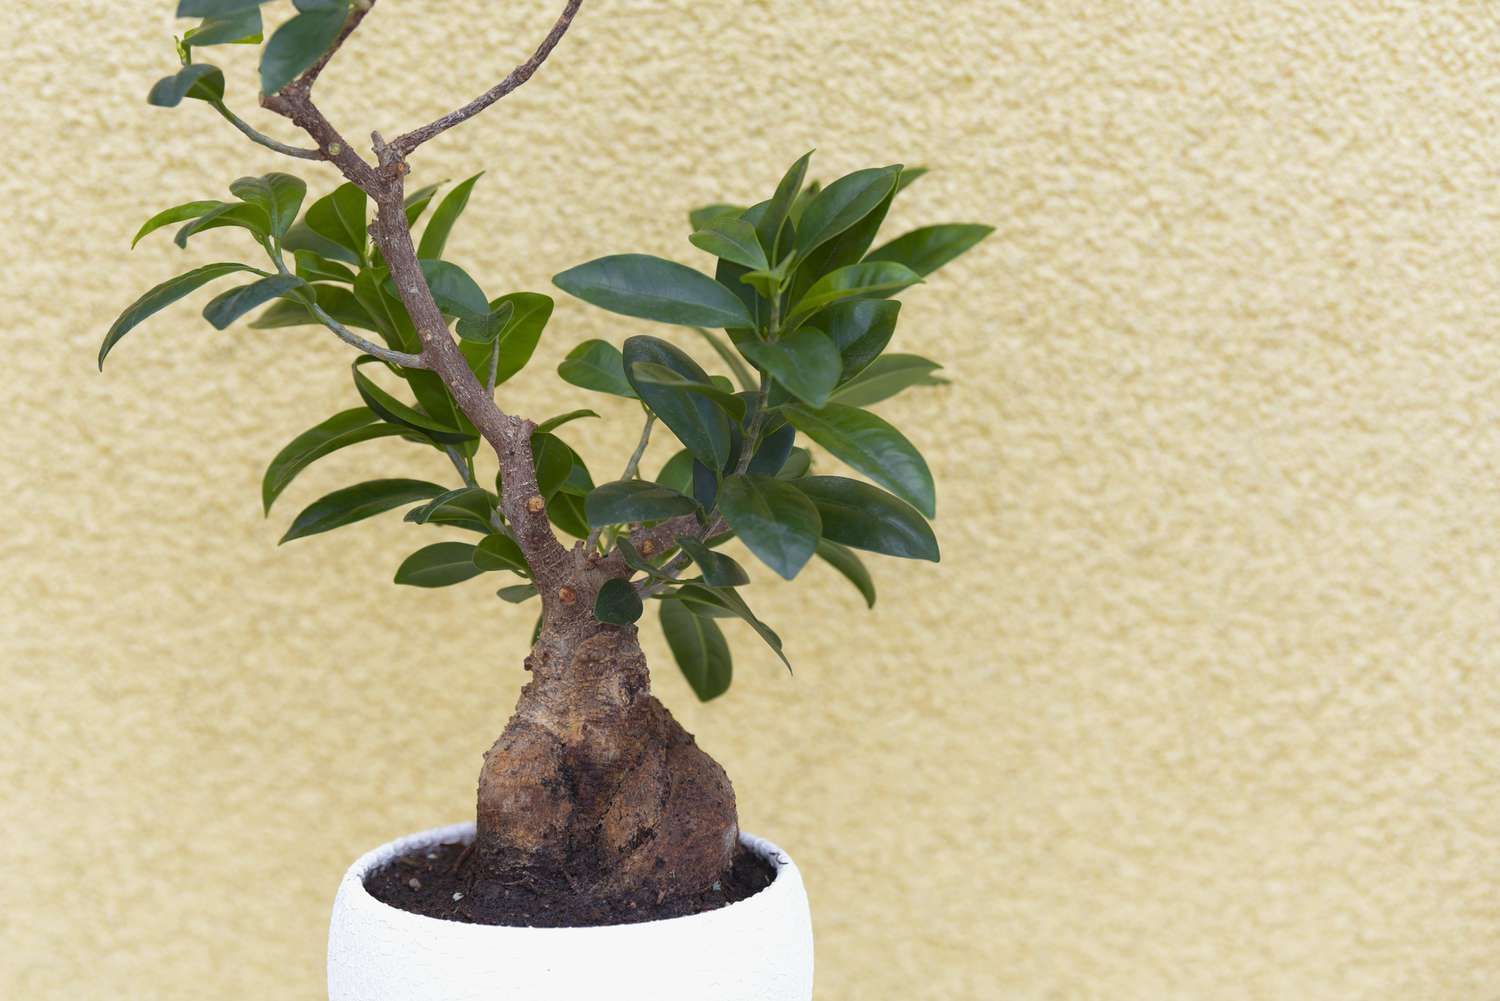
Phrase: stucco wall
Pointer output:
(1202, 702)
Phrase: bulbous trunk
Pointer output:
(595, 786)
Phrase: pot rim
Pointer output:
(352, 891)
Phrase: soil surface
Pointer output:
(438, 882)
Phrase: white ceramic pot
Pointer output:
(760, 949)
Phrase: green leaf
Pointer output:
(486, 330)
(708, 598)
(701, 217)
(655, 289)
(806, 362)
(299, 43)
(617, 603)
(339, 217)
(634, 500)
(865, 517)
(871, 446)
(698, 646)
(652, 374)
(177, 213)
(163, 296)
(929, 248)
(241, 27)
(213, 8)
(636, 561)
(393, 410)
(200, 81)
(718, 569)
(773, 451)
(696, 420)
(596, 365)
(845, 562)
(677, 474)
(337, 302)
(469, 508)
(416, 203)
(855, 281)
(238, 214)
(861, 329)
(553, 461)
(278, 195)
(885, 377)
(909, 174)
(775, 520)
(226, 307)
(455, 291)
(775, 215)
(553, 423)
(518, 337)
(742, 374)
(439, 565)
(356, 503)
(435, 236)
(517, 593)
(733, 239)
(842, 204)
(314, 267)
(348, 427)
(566, 511)
(500, 552)
(798, 463)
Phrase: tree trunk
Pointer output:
(594, 785)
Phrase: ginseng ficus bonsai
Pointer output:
(592, 779)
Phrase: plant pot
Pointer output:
(760, 949)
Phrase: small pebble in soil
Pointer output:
(414, 883)
(458, 896)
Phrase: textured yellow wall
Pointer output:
(1203, 701)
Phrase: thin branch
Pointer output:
(489, 383)
(260, 137)
(460, 464)
(405, 144)
(344, 334)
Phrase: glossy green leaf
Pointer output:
(340, 218)
(861, 329)
(487, 329)
(617, 603)
(774, 519)
(698, 646)
(768, 229)
(909, 174)
(929, 248)
(798, 463)
(470, 508)
(348, 427)
(299, 43)
(842, 204)
(336, 301)
(701, 217)
(677, 474)
(596, 365)
(517, 593)
(566, 511)
(278, 195)
(416, 203)
(805, 361)
(774, 450)
(856, 281)
(654, 289)
(439, 565)
(457, 293)
(177, 213)
(733, 239)
(314, 267)
(241, 27)
(885, 377)
(626, 501)
(214, 8)
(393, 410)
(553, 461)
(553, 423)
(356, 503)
(522, 331)
(199, 81)
(163, 296)
(707, 599)
(435, 236)
(742, 375)
(842, 559)
(226, 307)
(865, 517)
(695, 419)
(241, 214)
(871, 446)
(718, 569)
(500, 552)
(650, 373)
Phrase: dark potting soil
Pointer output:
(439, 882)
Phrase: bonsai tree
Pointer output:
(592, 779)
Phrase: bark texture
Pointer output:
(593, 783)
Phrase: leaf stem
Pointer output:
(254, 135)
